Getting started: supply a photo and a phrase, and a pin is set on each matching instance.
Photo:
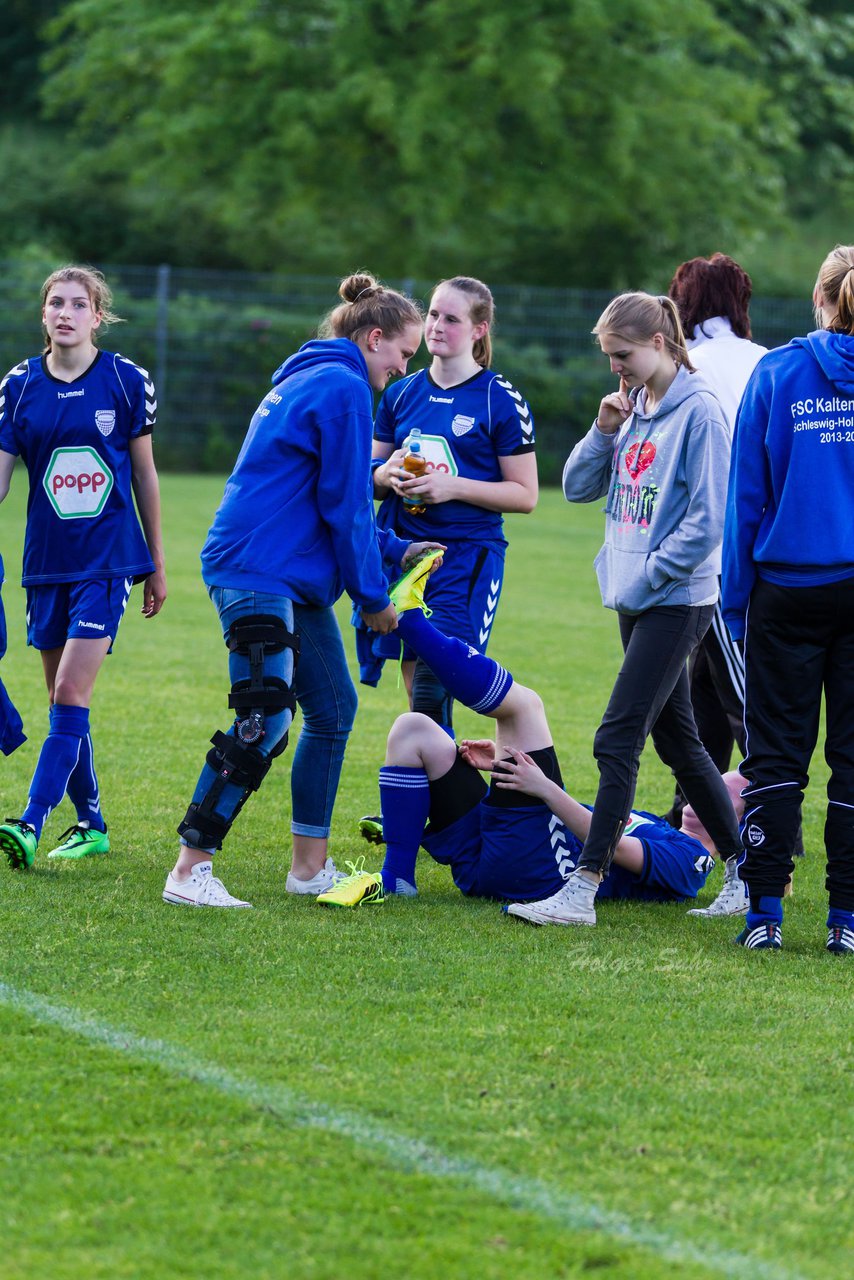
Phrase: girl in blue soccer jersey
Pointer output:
(81, 420)
(478, 438)
(294, 530)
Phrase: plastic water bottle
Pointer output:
(415, 464)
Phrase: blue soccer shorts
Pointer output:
(87, 610)
(463, 594)
(494, 851)
(526, 854)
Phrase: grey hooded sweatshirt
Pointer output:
(665, 475)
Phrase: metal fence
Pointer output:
(213, 338)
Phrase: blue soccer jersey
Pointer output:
(74, 438)
(526, 853)
(464, 430)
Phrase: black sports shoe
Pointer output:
(767, 936)
(840, 940)
(371, 829)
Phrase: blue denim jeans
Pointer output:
(328, 701)
(325, 695)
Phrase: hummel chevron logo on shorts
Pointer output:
(489, 611)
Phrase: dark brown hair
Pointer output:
(715, 286)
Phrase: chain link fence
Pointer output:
(212, 339)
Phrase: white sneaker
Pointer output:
(326, 878)
(573, 904)
(202, 889)
(733, 899)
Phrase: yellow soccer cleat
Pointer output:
(356, 889)
(408, 591)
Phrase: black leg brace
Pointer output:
(235, 758)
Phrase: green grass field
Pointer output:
(421, 1089)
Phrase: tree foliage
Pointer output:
(804, 54)
(21, 46)
(553, 141)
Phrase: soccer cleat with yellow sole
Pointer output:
(408, 591)
(356, 889)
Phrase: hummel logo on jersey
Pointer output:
(441, 399)
(69, 395)
(105, 420)
(461, 424)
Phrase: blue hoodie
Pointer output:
(790, 505)
(297, 516)
(11, 727)
(665, 476)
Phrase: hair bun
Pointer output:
(352, 287)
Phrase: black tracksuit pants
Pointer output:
(651, 696)
(800, 642)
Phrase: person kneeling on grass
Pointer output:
(520, 837)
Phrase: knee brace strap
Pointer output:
(233, 762)
(236, 762)
(255, 637)
(272, 695)
(264, 629)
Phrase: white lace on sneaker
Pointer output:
(573, 904)
(326, 878)
(733, 899)
(201, 889)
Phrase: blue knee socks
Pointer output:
(764, 910)
(470, 676)
(57, 759)
(82, 787)
(405, 801)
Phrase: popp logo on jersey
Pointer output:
(438, 453)
(78, 483)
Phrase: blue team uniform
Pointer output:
(11, 727)
(465, 430)
(526, 853)
(74, 438)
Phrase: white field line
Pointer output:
(528, 1195)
